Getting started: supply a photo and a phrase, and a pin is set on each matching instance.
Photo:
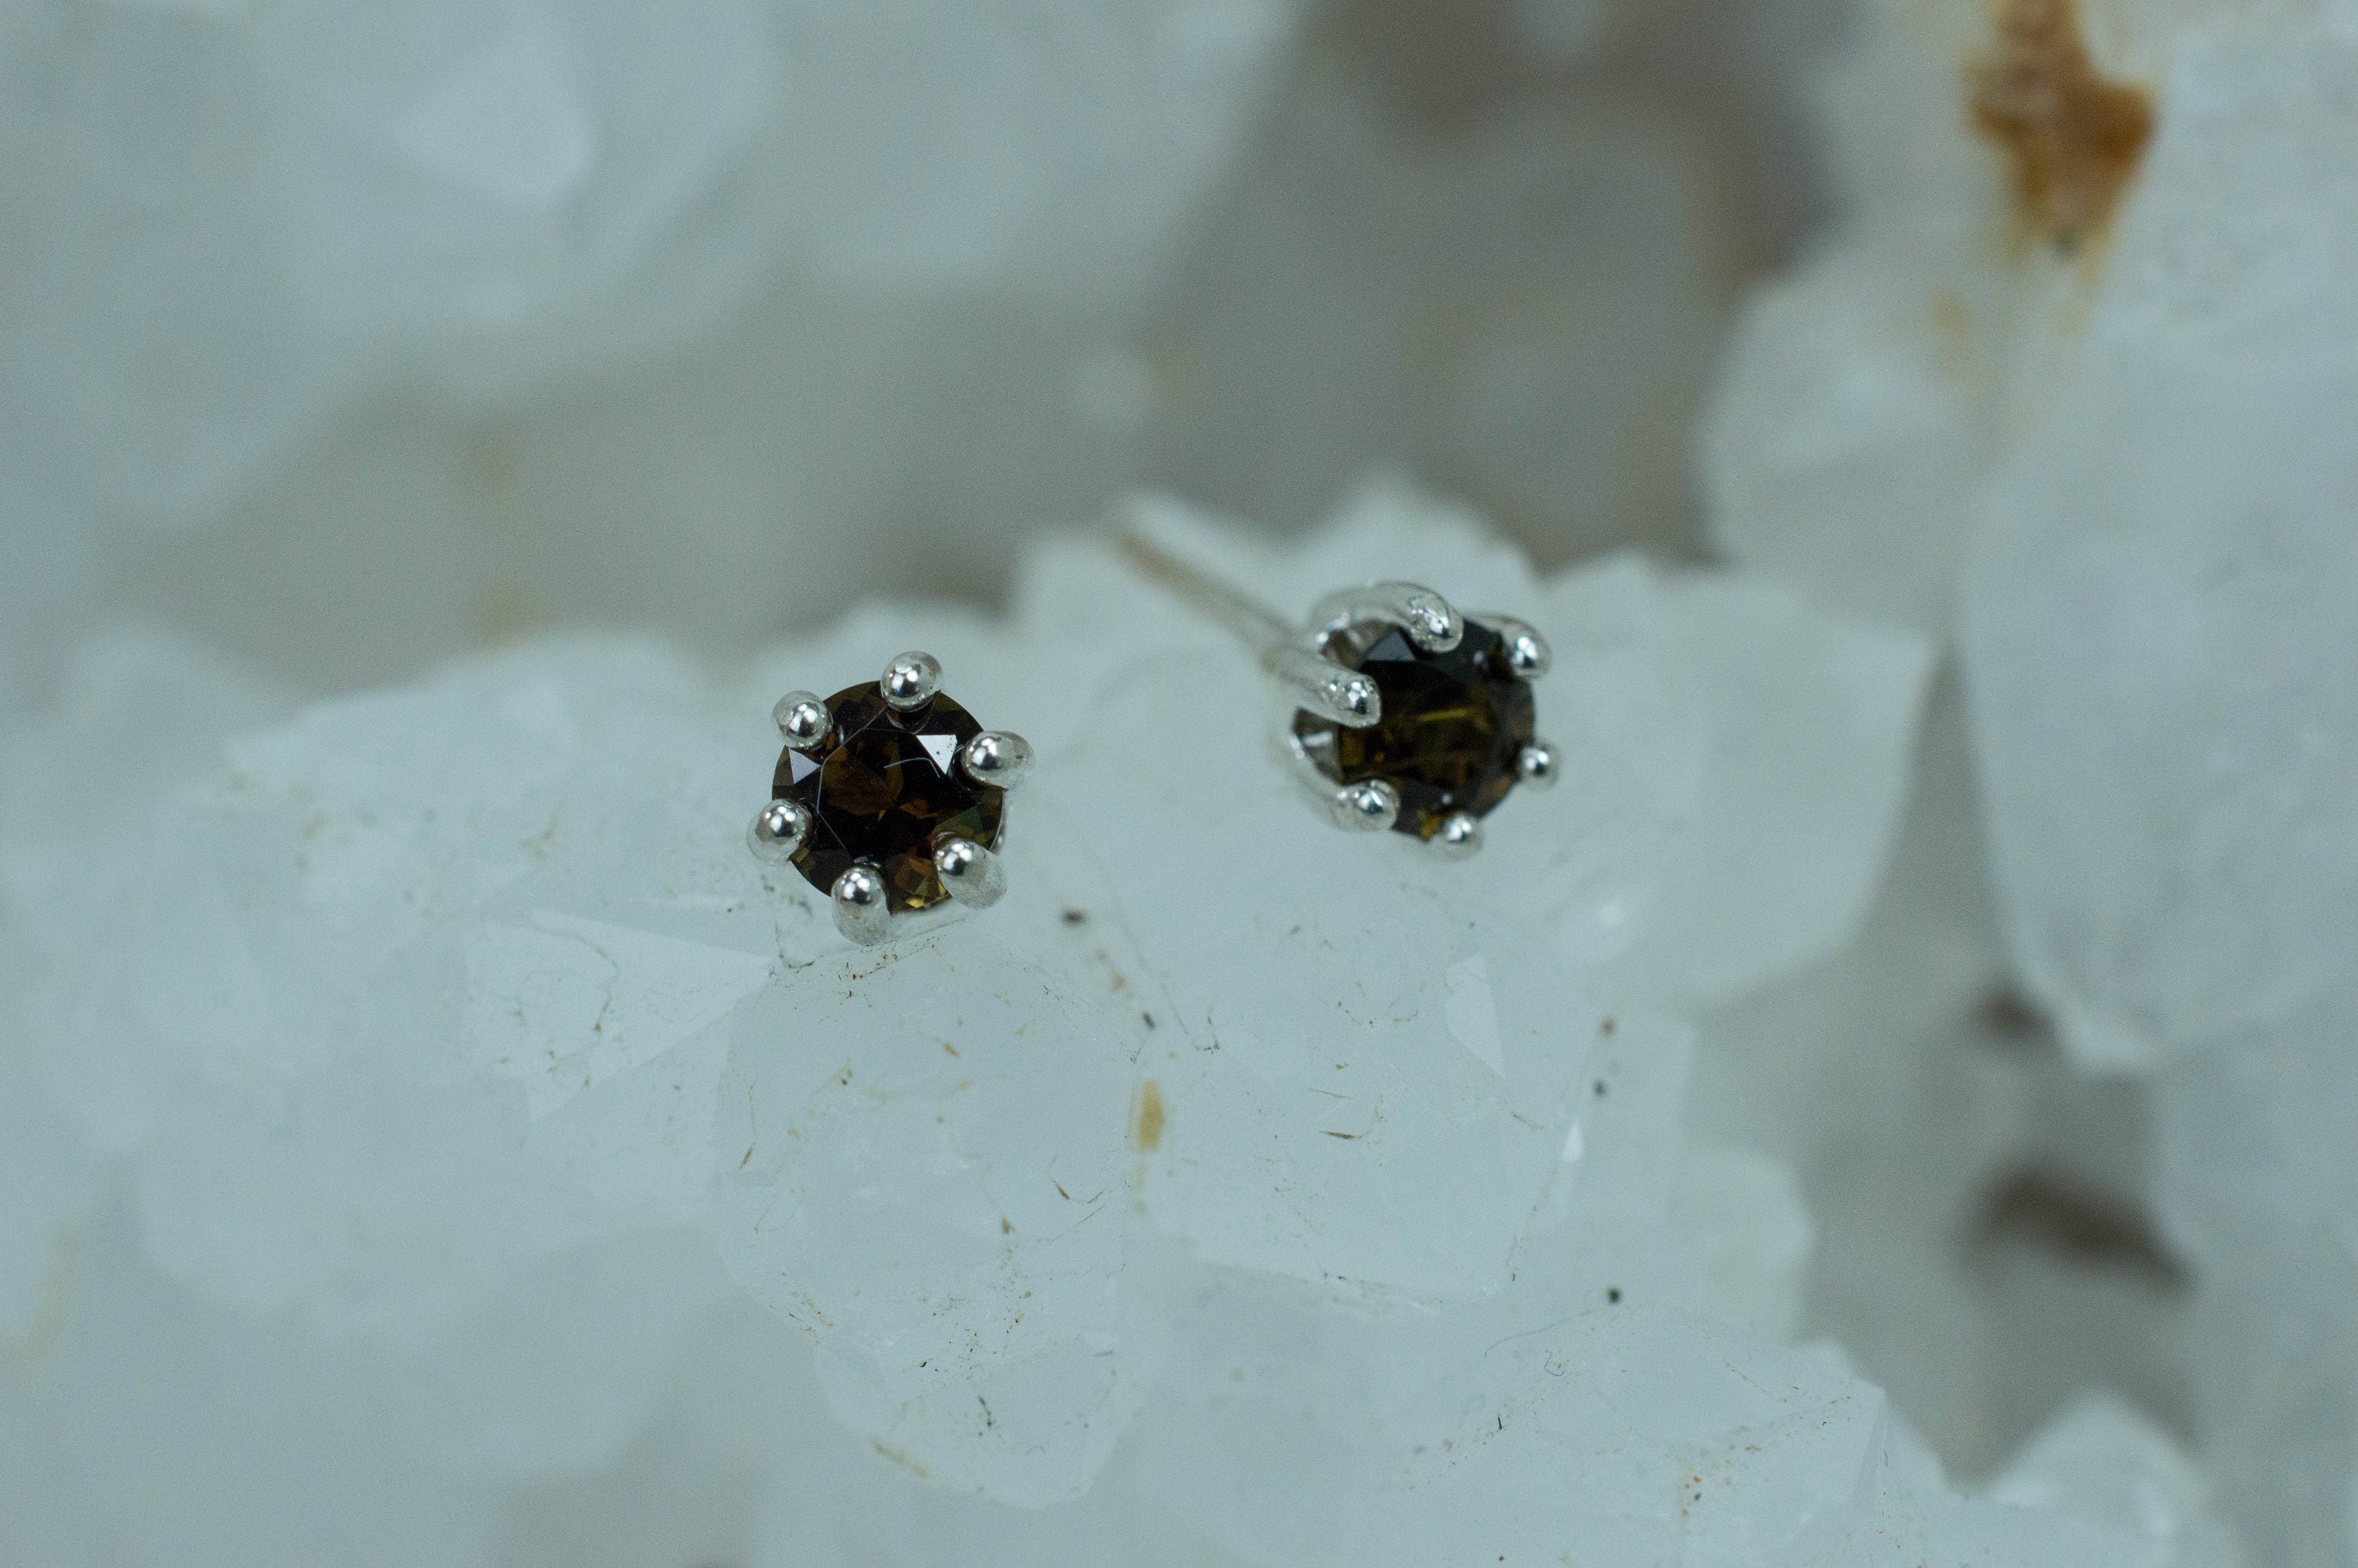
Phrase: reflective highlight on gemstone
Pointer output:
(1454, 726)
(883, 789)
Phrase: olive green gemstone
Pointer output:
(885, 788)
(1454, 728)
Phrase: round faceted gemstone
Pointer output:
(1454, 728)
(884, 788)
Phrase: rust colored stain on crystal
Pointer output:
(884, 789)
(1452, 731)
(2072, 140)
(1146, 1119)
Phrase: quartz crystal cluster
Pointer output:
(2069, 382)
(435, 1073)
(1889, 1103)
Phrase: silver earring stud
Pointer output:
(1408, 714)
(890, 798)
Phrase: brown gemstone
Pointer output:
(1454, 728)
(884, 789)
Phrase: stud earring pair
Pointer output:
(1405, 714)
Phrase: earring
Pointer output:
(890, 799)
(1408, 715)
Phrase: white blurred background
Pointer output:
(343, 337)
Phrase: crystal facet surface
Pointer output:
(885, 789)
(1453, 727)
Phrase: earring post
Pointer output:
(1319, 683)
(1261, 628)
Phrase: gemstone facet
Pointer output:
(1453, 730)
(884, 788)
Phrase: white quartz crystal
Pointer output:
(1853, 404)
(1798, 770)
(2169, 559)
(1753, 1237)
(2100, 1458)
(1234, 1180)
(931, 1161)
(1941, 1145)
(2163, 566)
(2114, 460)
(1582, 1410)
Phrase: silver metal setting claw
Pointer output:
(778, 830)
(859, 910)
(970, 873)
(1370, 806)
(1459, 835)
(1326, 687)
(1526, 650)
(1428, 619)
(803, 720)
(999, 757)
(1539, 766)
(861, 897)
(910, 681)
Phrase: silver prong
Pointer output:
(778, 830)
(1326, 687)
(910, 681)
(971, 874)
(1427, 617)
(802, 718)
(1370, 806)
(859, 911)
(1458, 836)
(1526, 650)
(1539, 764)
(996, 757)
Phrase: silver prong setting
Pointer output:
(1539, 766)
(778, 830)
(818, 822)
(803, 720)
(1527, 652)
(910, 681)
(970, 873)
(859, 909)
(1433, 623)
(1369, 805)
(1430, 620)
(1326, 688)
(999, 757)
(1459, 835)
